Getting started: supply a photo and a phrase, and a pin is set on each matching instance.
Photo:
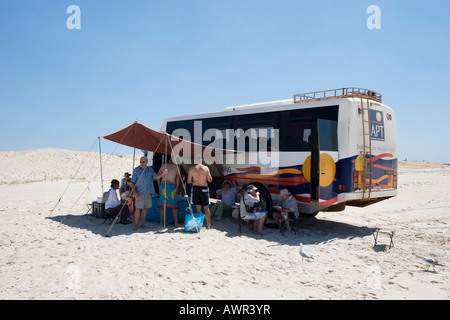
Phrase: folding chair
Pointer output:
(89, 206)
(108, 215)
(292, 224)
(249, 222)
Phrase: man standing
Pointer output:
(142, 184)
(168, 191)
(199, 176)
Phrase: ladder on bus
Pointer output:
(367, 149)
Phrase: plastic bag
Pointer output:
(194, 225)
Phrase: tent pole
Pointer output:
(134, 156)
(165, 186)
(184, 186)
(101, 168)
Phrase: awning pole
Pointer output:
(101, 168)
(165, 186)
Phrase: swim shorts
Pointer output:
(200, 196)
(168, 195)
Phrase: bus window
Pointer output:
(328, 135)
(258, 130)
(295, 130)
(184, 124)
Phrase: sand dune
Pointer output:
(63, 254)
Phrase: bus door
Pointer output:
(322, 165)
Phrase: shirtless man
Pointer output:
(168, 189)
(199, 176)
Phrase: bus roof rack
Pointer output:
(337, 94)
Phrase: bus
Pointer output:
(329, 148)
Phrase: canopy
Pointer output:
(139, 136)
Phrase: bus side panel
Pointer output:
(384, 176)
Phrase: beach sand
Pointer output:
(50, 248)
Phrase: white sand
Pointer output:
(41, 258)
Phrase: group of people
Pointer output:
(141, 187)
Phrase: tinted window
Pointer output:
(295, 128)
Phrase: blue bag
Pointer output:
(194, 225)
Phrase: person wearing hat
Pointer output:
(124, 183)
(250, 200)
(228, 193)
(125, 191)
(288, 209)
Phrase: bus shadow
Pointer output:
(308, 231)
(318, 230)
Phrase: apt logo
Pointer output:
(376, 125)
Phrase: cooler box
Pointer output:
(98, 210)
(153, 212)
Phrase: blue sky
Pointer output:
(148, 60)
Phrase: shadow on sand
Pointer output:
(98, 226)
(309, 230)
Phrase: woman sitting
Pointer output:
(251, 210)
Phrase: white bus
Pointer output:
(334, 148)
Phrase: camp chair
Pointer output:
(108, 216)
(292, 224)
(249, 222)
